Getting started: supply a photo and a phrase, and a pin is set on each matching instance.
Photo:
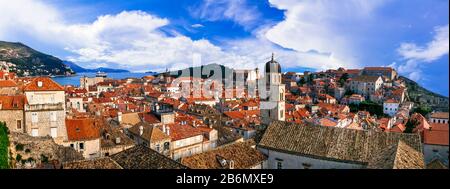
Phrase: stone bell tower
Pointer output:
(273, 107)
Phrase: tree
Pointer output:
(302, 81)
(410, 125)
(343, 79)
(4, 143)
(424, 110)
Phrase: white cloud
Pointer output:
(236, 10)
(309, 36)
(197, 26)
(316, 26)
(433, 50)
(416, 56)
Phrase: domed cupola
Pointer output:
(272, 66)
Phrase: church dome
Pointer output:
(273, 66)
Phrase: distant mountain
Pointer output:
(151, 72)
(226, 72)
(74, 67)
(422, 96)
(26, 61)
(77, 68)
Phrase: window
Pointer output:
(71, 145)
(106, 154)
(279, 165)
(166, 146)
(306, 165)
(34, 132)
(34, 117)
(81, 146)
(53, 132)
(157, 147)
(52, 116)
(19, 124)
(281, 114)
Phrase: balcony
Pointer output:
(44, 107)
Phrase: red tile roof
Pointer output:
(399, 128)
(390, 101)
(435, 137)
(440, 115)
(178, 131)
(12, 102)
(7, 83)
(47, 85)
(82, 129)
(378, 68)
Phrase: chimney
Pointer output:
(39, 83)
(119, 117)
(164, 129)
(141, 130)
(231, 164)
(118, 140)
(168, 131)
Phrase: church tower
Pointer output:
(273, 107)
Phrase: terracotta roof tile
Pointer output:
(332, 143)
(82, 129)
(141, 157)
(435, 137)
(12, 102)
(150, 133)
(47, 85)
(7, 83)
(101, 163)
(241, 153)
(440, 115)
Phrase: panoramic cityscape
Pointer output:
(132, 90)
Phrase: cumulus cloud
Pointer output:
(238, 11)
(309, 36)
(316, 26)
(416, 56)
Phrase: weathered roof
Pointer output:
(436, 164)
(141, 157)
(365, 78)
(150, 132)
(241, 153)
(101, 163)
(7, 83)
(332, 143)
(397, 156)
(440, 115)
(131, 118)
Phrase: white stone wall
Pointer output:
(45, 97)
(91, 148)
(11, 117)
(436, 120)
(432, 152)
(45, 122)
(290, 161)
(390, 108)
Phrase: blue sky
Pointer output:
(143, 35)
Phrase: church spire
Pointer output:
(272, 56)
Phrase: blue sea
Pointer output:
(75, 80)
